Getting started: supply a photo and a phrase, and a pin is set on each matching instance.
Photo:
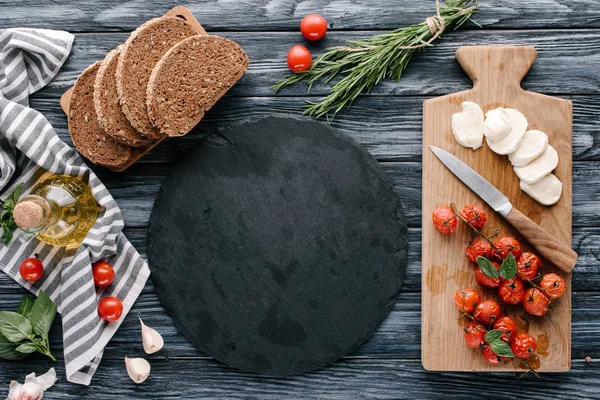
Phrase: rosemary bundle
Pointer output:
(366, 62)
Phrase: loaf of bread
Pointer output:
(141, 52)
(189, 79)
(89, 138)
(108, 109)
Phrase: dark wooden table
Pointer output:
(388, 123)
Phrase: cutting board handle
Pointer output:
(494, 67)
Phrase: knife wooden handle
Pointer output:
(547, 245)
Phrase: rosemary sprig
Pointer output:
(368, 61)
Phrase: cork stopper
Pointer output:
(28, 214)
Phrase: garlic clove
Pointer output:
(137, 368)
(151, 339)
(33, 388)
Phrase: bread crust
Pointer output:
(204, 68)
(142, 50)
(88, 137)
(108, 109)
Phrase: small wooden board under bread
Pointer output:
(138, 152)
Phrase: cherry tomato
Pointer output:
(474, 335)
(299, 59)
(474, 215)
(479, 248)
(110, 309)
(536, 302)
(553, 285)
(508, 328)
(104, 274)
(507, 245)
(444, 220)
(512, 291)
(487, 311)
(523, 346)
(485, 280)
(528, 265)
(31, 269)
(466, 300)
(490, 357)
(313, 27)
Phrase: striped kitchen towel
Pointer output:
(29, 146)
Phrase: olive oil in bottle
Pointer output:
(59, 210)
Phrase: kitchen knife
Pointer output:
(547, 245)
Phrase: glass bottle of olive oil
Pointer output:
(59, 210)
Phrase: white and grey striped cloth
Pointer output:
(29, 59)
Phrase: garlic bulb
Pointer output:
(151, 339)
(137, 368)
(33, 388)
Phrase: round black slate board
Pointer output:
(277, 246)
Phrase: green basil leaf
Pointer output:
(7, 235)
(17, 193)
(508, 269)
(493, 335)
(501, 348)
(25, 305)
(487, 267)
(27, 348)
(8, 350)
(42, 314)
(14, 326)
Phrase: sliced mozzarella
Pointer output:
(511, 142)
(467, 125)
(547, 191)
(533, 145)
(497, 124)
(538, 168)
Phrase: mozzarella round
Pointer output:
(546, 191)
(497, 124)
(513, 140)
(538, 168)
(533, 145)
(467, 125)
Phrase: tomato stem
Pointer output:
(463, 219)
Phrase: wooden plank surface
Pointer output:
(496, 72)
(388, 123)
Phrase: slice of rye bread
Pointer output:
(91, 140)
(141, 52)
(108, 109)
(189, 79)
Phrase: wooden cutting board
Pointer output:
(496, 73)
(139, 152)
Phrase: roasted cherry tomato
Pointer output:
(31, 269)
(507, 245)
(474, 335)
(313, 27)
(299, 59)
(479, 248)
(485, 280)
(528, 265)
(474, 215)
(110, 309)
(553, 285)
(490, 357)
(104, 274)
(487, 311)
(512, 291)
(444, 220)
(508, 328)
(523, 346)
(536, 302)
(466, 300)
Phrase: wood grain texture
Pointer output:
(565, 64)
(275, 15)
(496, 73)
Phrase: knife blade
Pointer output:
(488, 192)
(555, 251)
